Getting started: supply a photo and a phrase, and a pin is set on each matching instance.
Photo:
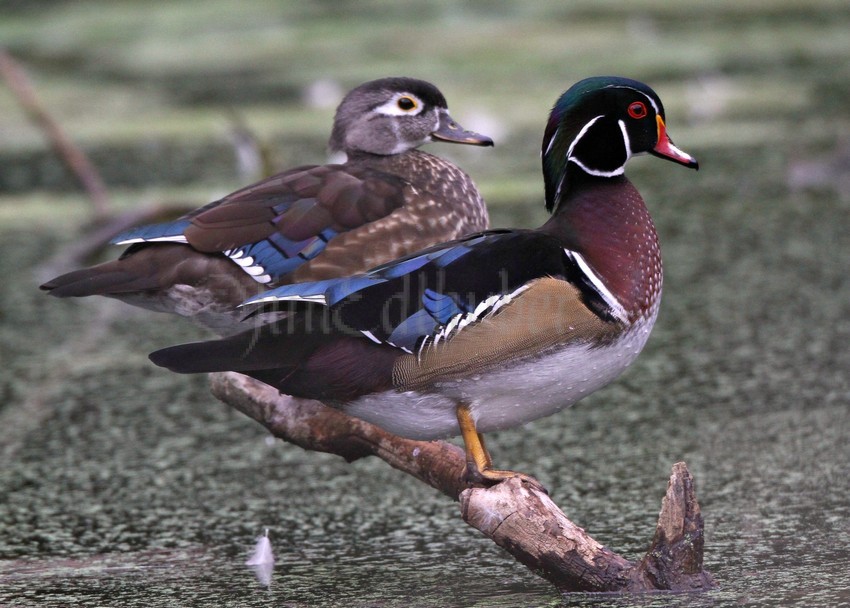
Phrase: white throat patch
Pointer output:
(597, 172)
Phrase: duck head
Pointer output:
(393, 115)
(596, 126)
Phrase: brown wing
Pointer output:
(294, 208)
(441, 204)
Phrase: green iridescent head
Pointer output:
(597, 125)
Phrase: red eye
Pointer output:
(637, 110)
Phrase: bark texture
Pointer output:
(517, 516)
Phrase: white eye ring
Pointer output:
(393, 107)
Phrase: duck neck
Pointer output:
(448, 194)
(606, 221)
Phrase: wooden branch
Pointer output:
(316, 427)
(72, 155)
(518, 517)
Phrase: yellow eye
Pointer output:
(406, 103)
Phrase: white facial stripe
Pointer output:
(578, 137)
(650, 99)
(598, 173)
(560, 185)
(552, 140)
(391, 108)
(626, 140)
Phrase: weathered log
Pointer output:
(517, 516)
(319, 428)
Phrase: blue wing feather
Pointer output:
(336, 290)
(399, 268)
(330, 290)
(343, 288)
(312, 248)
(276, 255)
(268, 256)
(295, 291)
(452, 254)
(440, 306)
(152, 232)
(287, 247)
(405, 300)
(407, 333)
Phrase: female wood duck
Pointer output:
(308, 223)
(494, 329)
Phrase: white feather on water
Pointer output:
(262, 559)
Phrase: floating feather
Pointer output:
(262, 559)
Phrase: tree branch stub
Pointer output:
(518, 517)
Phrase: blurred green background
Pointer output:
(124, 485)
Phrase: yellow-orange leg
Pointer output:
(479, 465)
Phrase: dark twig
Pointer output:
(72, 155)
(518, 517)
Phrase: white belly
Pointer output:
(526, 390)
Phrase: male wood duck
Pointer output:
(309, 223)
(495, 329)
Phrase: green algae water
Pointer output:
(124, 485)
